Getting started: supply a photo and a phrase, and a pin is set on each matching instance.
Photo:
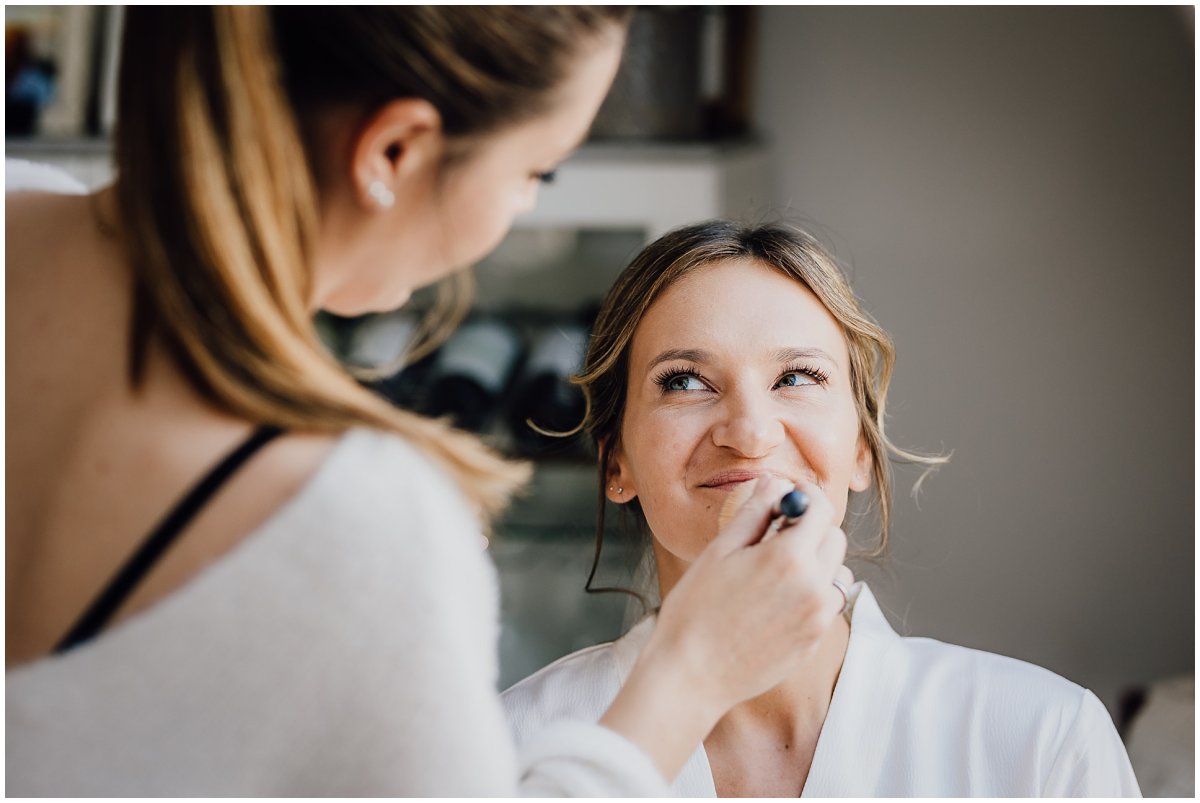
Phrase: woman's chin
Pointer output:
(375, 304)
(398, 301)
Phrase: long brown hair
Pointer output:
(795, 254)
(217, 198)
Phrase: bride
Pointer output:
(726, 355)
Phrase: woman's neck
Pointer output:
(764, 746)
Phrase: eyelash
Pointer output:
(547, 177)
(665, 376)
(819, 376)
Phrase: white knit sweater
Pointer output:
(346, 647)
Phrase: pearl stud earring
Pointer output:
(382, 195)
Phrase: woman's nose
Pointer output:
(748, 425)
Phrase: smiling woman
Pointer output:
(764, 393)
(727, 354)
(779, 281)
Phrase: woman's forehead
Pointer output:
(740, 306)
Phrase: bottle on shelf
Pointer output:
(379, 341)
(470, 373)
(405, 388)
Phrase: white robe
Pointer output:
(910, 717)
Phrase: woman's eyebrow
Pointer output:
(793, 354)
(690, 355)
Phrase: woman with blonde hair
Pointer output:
(727, 354)
(231, 570)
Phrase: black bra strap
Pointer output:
(165, 534)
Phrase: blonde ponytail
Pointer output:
(219, 212)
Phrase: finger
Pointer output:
(831, 550)
(733, 503)
(751, 520)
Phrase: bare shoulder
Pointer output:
(124, 473)
(37, 221)
(54, 254)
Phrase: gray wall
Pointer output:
(1012, 190)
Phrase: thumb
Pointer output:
(747, 513)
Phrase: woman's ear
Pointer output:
(618, 483)
(396, 153)
(864, 467)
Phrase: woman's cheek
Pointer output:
(824, 441)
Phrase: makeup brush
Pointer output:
(789, 509)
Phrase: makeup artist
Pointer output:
(230, 569)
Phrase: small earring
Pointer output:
(382, 195)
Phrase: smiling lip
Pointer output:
(728, 480)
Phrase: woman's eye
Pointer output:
(683, 382)
(795, 379)
(546, 177)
